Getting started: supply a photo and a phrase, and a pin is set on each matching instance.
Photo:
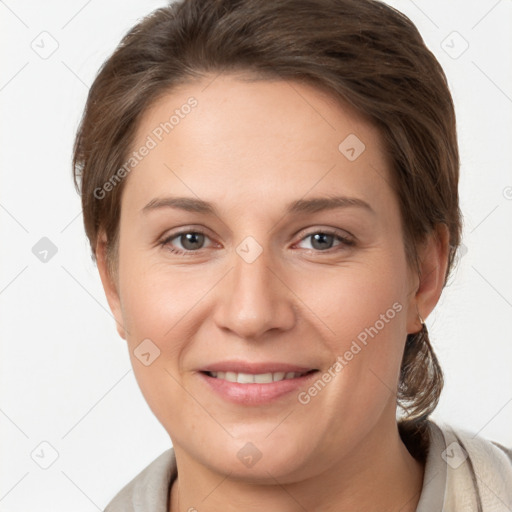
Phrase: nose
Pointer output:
(254, 298)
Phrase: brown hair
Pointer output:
(362, 51)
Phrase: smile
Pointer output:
(252, 389)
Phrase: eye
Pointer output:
(322, 241)
(190, 240)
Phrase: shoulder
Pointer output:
(148, 491)
(478, 470)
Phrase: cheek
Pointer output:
(155, 299)
(362, 308)
(155, 308)
(356, 296)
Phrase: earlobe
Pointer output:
(109, 285)
(434, 262)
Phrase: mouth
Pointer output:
(252, 389)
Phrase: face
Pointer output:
(267, 278)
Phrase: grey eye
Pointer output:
(321, 240)
(191, 241)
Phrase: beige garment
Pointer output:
(463, 473)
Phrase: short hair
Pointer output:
(363, 52)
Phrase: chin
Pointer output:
(259, 461)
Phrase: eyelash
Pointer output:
(166, 242)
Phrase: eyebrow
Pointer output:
(313, 205)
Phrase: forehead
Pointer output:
(226, 135)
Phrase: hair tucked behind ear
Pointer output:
(421, 377)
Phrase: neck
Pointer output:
(380, 474)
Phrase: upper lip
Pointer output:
(254, 368)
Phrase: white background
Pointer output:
(65, 374)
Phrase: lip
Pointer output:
(256, 393)
(254, 368)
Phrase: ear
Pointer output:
(433, 256)
(109, 285)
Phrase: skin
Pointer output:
(250, 149)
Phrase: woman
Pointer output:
(222, 145)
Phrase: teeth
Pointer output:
(249, 378)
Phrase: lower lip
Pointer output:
(255, 394)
